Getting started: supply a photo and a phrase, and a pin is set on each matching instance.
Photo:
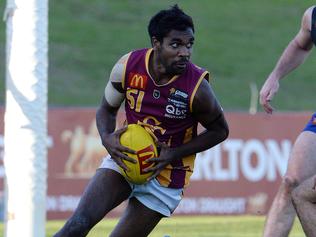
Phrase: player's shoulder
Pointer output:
(196, 68)
(200, 71)
(308, 13)
(117, 71)
(123, 59)
(126, 56)
(140, 50)
(307, 18)
(309, 10)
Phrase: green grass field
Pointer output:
(206, 226)
(238, 41)
(188, 226)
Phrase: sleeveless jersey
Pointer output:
(164, 110)
(313, 26)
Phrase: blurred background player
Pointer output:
(302, 162)
(169, 95)
(304, 199)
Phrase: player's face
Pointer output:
(175, 50)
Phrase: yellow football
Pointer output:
(138, 139)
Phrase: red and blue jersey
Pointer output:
(165, 110)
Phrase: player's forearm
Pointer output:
(204, 141)
(106, 119)
(292, 57)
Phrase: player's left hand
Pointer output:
(164, 159)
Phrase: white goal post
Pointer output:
(25, 122)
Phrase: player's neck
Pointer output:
(158, 71)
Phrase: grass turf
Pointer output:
(193, 226)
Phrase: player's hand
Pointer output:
(267, 92)
(164, 159)
(112, 144)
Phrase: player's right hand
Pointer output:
(267, 92)
(166, 156)
(112, 144)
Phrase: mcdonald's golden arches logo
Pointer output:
(137, 81)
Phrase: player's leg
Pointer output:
(137, 220)
(304, 199)
(301, 165)
(105, 191)
(148, 204)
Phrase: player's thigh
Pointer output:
(106, 190)
(137, 220)
(305, 191)
(302, 163)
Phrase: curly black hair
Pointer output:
(166, 20)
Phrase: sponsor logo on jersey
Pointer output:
(137, 81)
(177, 106)
(179, 93)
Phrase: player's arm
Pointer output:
(297, 50)
(107, 112)
(293, 56)
(209, 114)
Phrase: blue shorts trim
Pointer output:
(311, 125)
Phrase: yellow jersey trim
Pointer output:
(195, 89)
(124, 71)
(148, 53)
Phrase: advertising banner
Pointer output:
(239, 176)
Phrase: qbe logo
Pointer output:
(175, 112)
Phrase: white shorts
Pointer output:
(154, 196)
